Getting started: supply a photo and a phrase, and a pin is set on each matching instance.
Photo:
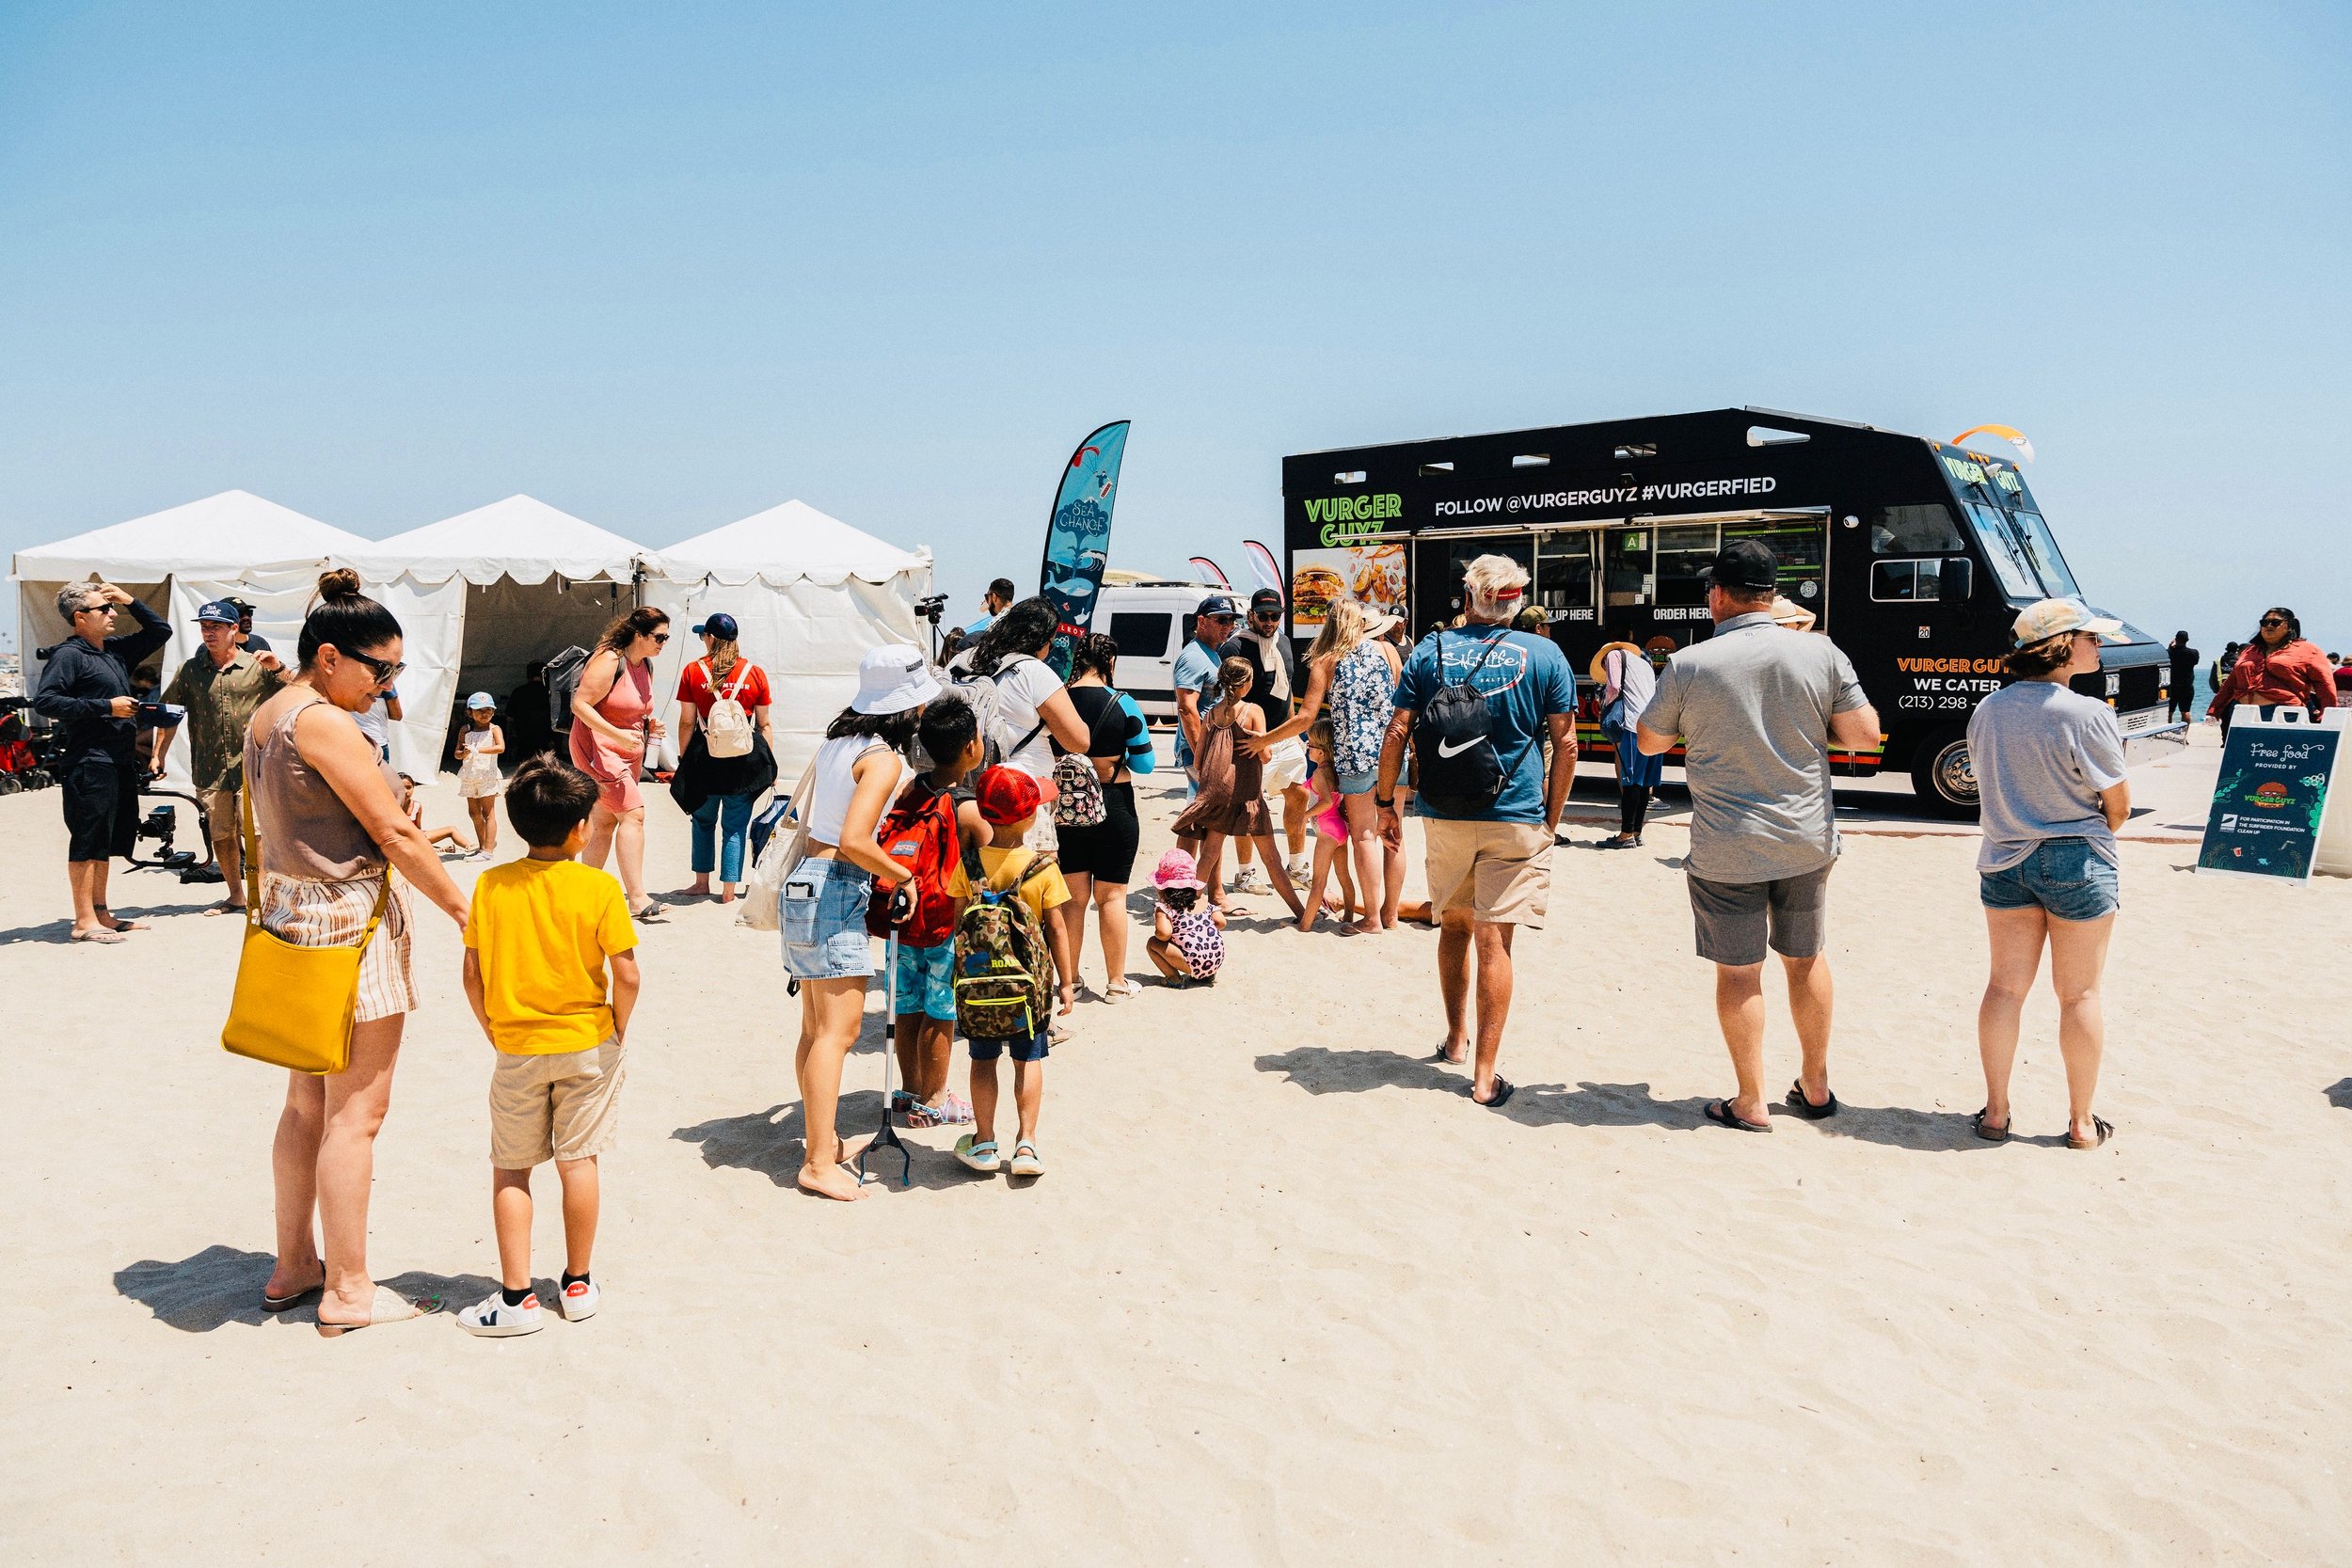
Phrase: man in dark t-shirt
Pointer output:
(2184, 682)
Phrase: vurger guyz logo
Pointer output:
(2273, 794)
(1346, 517)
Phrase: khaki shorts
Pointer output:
(1500, 871)
(562, 1106)
(1286, 767)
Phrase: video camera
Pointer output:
(158, 716)
(929, 608)
(161, 823)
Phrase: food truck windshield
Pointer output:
(2008, 526)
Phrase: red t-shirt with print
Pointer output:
(694, 686)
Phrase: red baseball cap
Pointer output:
(1007, 795)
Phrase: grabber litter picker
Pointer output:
(889, 1136)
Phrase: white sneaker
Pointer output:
(493, 1319)
(1302, 871)
(580, 1298)
(1249, 879)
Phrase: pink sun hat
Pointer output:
(1176, 869)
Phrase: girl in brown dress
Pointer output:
(1231, 802)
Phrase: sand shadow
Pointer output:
(1320, 1070)
(60, 931)
(769, 1144)
(2340, 1094)
(1899, 1127)
(222, 1285)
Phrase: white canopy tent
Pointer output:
(809, 593)
(485, 593)
(234, 544)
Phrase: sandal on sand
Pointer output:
(101, 934)
(1026, 1161)
(654, 910)
(390, 1306)
(2101, 1133)
(1440, 1057)
(1982, 1122)
(278, 1303)
(1806, 1108)
(1504, 1090)
(224, 907)
(981, 1157)
(1722, 1115)
(1121, 989)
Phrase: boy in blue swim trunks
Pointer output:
(951, 734)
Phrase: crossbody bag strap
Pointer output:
(252, 857)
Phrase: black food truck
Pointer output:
(1913, 555)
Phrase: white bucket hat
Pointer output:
(894, 679)
(2055, 618)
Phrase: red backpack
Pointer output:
(919, 831)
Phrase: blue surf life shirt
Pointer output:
(1525, 681)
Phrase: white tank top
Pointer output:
(832, 782)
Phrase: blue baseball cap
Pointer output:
(1219, 604)
(721, 626)
(220, 611)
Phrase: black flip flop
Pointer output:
(280, 1304)
(1985, 1129)
(1722, 1115)
(1806, 1108)
(1504, 1089)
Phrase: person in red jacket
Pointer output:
(2278, 667)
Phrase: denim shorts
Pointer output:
(821, 912)
(1031, 1048)
(1359, 784)
(926, 981)
(2065, 877)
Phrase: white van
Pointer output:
(1151, 621)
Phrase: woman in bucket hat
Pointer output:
(821, 906)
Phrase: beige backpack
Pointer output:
(728, 731)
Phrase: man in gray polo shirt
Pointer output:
(1757, 707)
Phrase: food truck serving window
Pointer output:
(1929, 529)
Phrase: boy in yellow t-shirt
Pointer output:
(1008, 800)
(541, 931)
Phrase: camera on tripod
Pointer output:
(929, 608)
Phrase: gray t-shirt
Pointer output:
(1753, 705)
(2042, 754)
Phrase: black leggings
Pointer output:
(1632, 806)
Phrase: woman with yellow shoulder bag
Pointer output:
(324, 983)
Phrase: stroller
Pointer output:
(22, 764)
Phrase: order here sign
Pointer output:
(2271, 799)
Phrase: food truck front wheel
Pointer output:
(1941, 775)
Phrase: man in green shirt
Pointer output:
(220, 687)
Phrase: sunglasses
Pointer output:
(660, 636)
(385, 671)
(2272, 621)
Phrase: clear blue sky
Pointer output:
(662, 267)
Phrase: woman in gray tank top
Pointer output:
(331, 826)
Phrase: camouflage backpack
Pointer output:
(1004, 971)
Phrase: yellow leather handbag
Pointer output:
(293, 1006)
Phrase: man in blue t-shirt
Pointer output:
(1489, 871)
(1195, 674)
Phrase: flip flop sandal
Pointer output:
(1722, 1115)
(1504, 1090)
(1982, 1122)
(100, 934)
(389, 1307)
(1440, 1057)
(980, 1157)
(654, 910)
(2101, 1131)
(1806, 1108)
(280, 1304)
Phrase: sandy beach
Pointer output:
(1286, 1295)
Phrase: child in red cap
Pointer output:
(1009, 799)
